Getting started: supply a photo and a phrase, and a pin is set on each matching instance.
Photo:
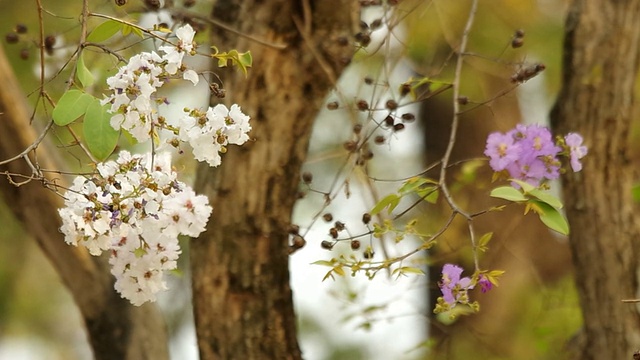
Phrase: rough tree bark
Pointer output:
(242, 299)
(116, 329)
(601, 54)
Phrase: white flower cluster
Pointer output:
(135, 84)
(135, 210)
(210, 132)
(132, 103)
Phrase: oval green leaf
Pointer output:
(71, 106)
(100, 137)
(546, 197)
(104, 31)
(82, 72)
(508, 193)
(551, 217)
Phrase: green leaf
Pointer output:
(526, 187)
(484, 241)
(390, 201)
(323, 263)
(83, 74)
(551, 217)
(128, 29)
(100, 137)
(429, 194)
(546, 197)
(71, 106)
(104, 31)
(508, 193)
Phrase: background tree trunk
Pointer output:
(242, 299)
(597, 100)
(116, 329)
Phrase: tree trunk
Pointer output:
(597, 100)
(242, 298)
(116, 329)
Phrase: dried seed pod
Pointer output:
(332, 105)
(24, 54)
(389, 121)
(398, 127)
(375, 24)
(391, 104)
(328, 245)
(49, 42)
(362, 105)
(463, 100)
(327, 217)
(368, 80)
(333, 232)
(366, 218)
(355, 244)
(357, 128)
(21, 28)
(408, 117)
(298, 242)
(379, 140)
(11, 38)
(405, 89)
(339, 225)
(527, 73)
(307, 177)
(121, 2)
(367, 155)
(517, 42)
(350, 146)
(189, 3)
(294, 229)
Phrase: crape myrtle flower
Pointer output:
(135, 213)
(454, 288)
(529, 153)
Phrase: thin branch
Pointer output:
(455, 123)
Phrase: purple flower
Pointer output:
(576, 150)
(501, 150)
(452, 286)
(485, 284)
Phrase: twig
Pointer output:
(454, 127)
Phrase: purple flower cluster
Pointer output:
(529, 153)
(454, 288)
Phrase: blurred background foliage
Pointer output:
(534, 313)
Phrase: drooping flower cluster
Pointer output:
(135, 85)
(529, 153)
(454, 288)
(133, 102)
(135, 210)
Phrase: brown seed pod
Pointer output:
(327, 217)
(355, 244)
(350, 146)
(408, 117)
(21, 28)
(463, 100)
(332, 105)
(366, 218)
(298, 242)
(333, 232)
(391, 104)
(339, 225)
(11, 38)
(294, 229)
(328, 245)
(307, 177)
(362, 105)
(379, 140)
